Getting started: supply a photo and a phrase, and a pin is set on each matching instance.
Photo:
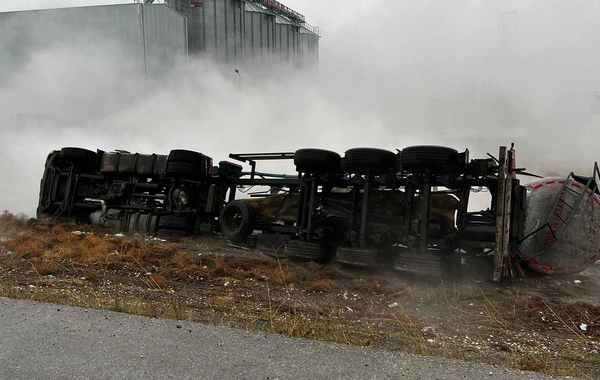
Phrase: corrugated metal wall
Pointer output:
(234, 31)
(216, 28)
(150, 35)
(259, 42)
(287, 36)
(32, 31)
(222, 29)
(166, 37)
(308, 54)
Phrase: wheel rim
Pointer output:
(233, 219)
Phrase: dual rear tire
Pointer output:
(186, 164)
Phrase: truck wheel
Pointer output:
(307, 250)
(360, 257)
(237, 221)
(361, 160)
(182, 169)
(86, 158)
(439, 159)
(319, 161)
(188, 156)
(172, 235)
(424, 264)
(176, 222)
(78, 153)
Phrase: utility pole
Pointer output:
(240, 79)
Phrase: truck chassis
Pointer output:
(371, 208)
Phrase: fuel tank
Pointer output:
(562, 226)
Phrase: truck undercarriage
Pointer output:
(371, 208)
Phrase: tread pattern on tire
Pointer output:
(78, 153)
(374, 159)
(184, 169)
(187, 156)
(172, 235)
(307, 250)
(436, 158)
(360, 257)
(175, 222)
(86, 158)
(423, 263)
(317, 160)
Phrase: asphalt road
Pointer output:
(47, 341)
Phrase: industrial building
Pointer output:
(152, 36)
(253, 32)
(236, 33)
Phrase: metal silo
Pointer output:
(308, 49)
(215, 27)
(259, 30)
(165, 38)
(149, 37)
(181, 6)
(287, 35)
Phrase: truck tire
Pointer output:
(319, 161)
(182, 169)
(187, 156)
(176, 222)
(360, 257)
(172, 235)
(424, 264)
(438, 159)
(78, 154)
(361, 160)
(307, 250)
(86, 158)
(237, 221)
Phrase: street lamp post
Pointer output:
(240, 79)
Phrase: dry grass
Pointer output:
(44, 266)
(141, 277)
(314, 266)
(581, 359)
(156, 281)
(283, 274)
(411, 329)
(495, 317)
(580, 312)
(532, 362)
(89, 298)
(13, 223)
(53, 248)
(321, 286)
(369, 284)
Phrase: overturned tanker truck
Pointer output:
(370, 208)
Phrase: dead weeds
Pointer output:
(321, 286)
(525, 325)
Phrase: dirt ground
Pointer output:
(546, 324)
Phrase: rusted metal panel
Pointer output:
(160, 166)
(110, 162)
(145, 164)
(127, 163)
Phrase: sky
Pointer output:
(460, 73)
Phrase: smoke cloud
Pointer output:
(460, 73)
